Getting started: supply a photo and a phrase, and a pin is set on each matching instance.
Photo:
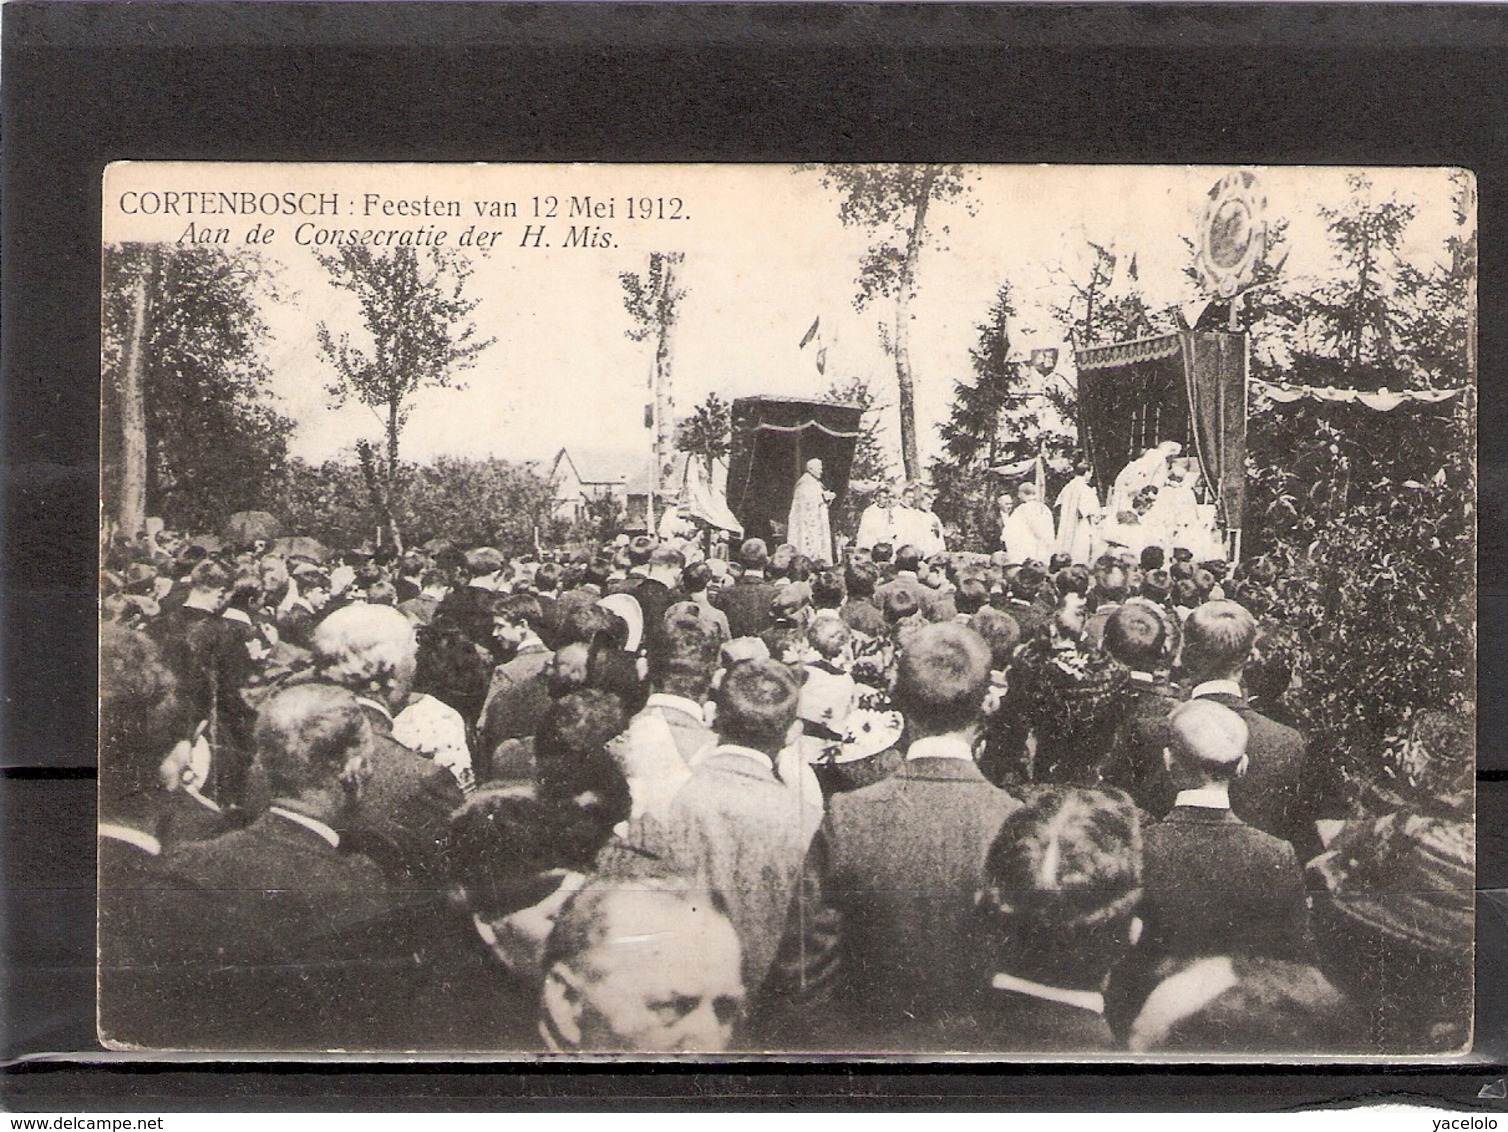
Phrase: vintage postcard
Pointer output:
(921, 610)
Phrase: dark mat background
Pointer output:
(86, 84)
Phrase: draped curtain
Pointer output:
(1188, 387)
(773, 438)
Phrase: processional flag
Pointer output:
(814, 332)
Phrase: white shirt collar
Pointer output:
(143, 841)
(749, 753)
(236, 615)
(678, 703)
(1143, 677)
(1216, 688)
(1083, 999)
(309, 823)
(1215, 796)
(941, 747)
(375, 706)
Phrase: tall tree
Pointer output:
(1358, 320)
(1379, 320)
(893, 203)
(420, 336)
(1440, 335)
(190, 428)
(653, 302)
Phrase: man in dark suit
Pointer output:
(634, 562)
(747, 601)
(884, 929)
(908, 564)
(546, 591)
(1024, 600)
(1278, 792)
(1056, 914)
(1112, 585)
(283, 934)
(420, 609)
(141, 733)
(517, 697)
(1137, 635)
(859, 611)
(1215, 885)
(209, 657)
(658, 590)
(371, 650)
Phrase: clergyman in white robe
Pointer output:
(1150, 469)
(1027, 531)
(1078, 507)
(1175, 515)
(877, 523)
(809, 529)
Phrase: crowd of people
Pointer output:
(633, 798)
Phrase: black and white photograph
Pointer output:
(932, 611)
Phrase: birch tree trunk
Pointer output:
(910, 460)
(132, 513)
(664, 443)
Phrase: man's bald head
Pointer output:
(652, 966)
(1208, 738)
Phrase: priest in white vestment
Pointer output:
(810, 529)
(1026, 530)
(1078, 511)
(877, 523)
(916, 524)
(1150, 469)
(1175, 515)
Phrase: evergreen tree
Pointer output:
(1009, 412)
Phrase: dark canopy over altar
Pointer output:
(773, 438)
(1189, 387)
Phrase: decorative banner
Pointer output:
(1232, 233)
(1382, 400)
(1019, 468)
